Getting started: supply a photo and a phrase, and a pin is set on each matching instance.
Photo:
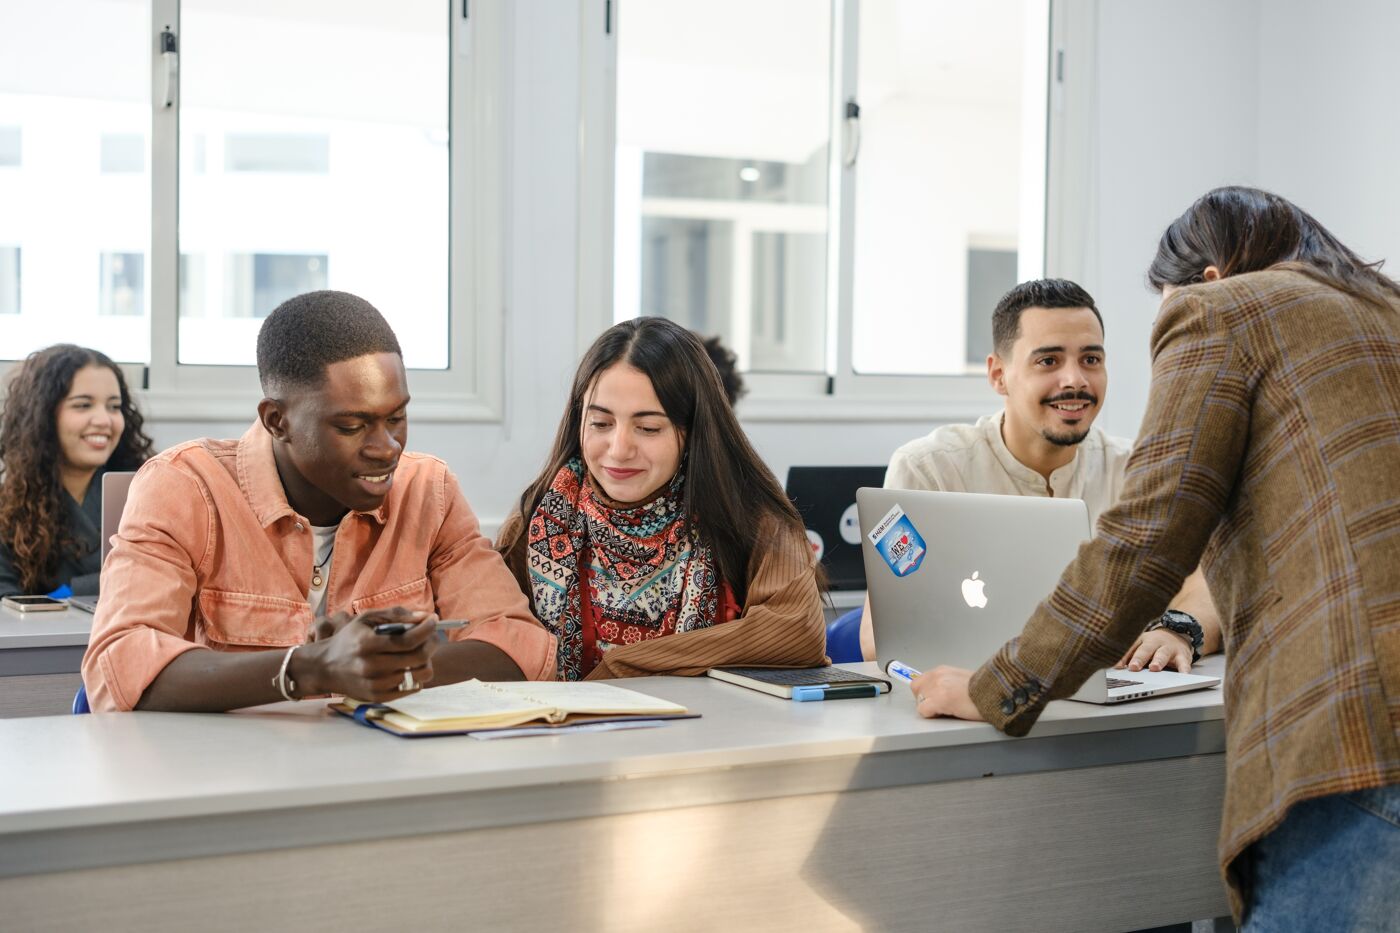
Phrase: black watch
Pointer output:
(1184, 624)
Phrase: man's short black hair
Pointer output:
(1040, 293)
(305, 334)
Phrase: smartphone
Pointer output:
(398, 628)
(35, 603)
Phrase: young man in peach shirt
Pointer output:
(256, 570)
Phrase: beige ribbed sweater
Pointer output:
(781, 624)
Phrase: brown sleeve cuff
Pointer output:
(1007, 697)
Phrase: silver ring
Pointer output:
(408, 684)
(918, 698)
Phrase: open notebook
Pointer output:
(475, 705)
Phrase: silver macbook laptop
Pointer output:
(953, 576)
(115, 487)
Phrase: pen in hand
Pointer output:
(398, 628)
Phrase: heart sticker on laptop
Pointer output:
(898, 542)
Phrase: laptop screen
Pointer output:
(114, 489)
(826, 499)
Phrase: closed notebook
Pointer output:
(780, 681)
(475, 705)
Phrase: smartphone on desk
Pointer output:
(34, 603)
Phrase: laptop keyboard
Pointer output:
(1120, 682)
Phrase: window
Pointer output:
(318, 171)
(302, 145)
(123, 152)
(259, 282)
(841, 191)
(991, 273)
(122, 284)
(9, 280)
(721, 174)
(944, 147)
(9, 146)
(77, 205)
(278, 152)
(192, 284)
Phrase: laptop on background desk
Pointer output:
(115, 487)
(825, 497)
(954, 576)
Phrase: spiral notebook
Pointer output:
(477, 706)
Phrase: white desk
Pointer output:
(40, 654)
(762, 814)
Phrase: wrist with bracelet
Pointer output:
(286, 685)
(1185, 625)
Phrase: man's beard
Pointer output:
(1068, 438)
(1065, 440)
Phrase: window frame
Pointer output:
(842, 394)
(471, 388)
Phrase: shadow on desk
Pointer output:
(1072, 843)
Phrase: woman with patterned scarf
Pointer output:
(655, 541)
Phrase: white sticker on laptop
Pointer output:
(850, 525)
(898, 542)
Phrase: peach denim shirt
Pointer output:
(210, 555)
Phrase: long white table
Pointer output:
(40, 654)
(762, 814)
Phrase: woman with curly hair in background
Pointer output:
(67, 419)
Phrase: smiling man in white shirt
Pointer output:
(1048, 361)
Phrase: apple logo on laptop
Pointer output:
(972, 592)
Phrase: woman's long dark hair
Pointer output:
(1240, 230)
(728, 489)
(33, 517)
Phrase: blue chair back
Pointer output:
(80, 703)
(843, 638)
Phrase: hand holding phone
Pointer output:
(349, 655)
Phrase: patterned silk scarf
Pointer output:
(647, 574)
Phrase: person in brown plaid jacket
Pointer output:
(1270, 452)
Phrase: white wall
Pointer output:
(1177, 91)
(1328, 137)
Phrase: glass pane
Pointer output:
(313, 154)
(721, 212)
(9, 280)
(991, 273)
(948, 132)
(123, 284)
(75, 187)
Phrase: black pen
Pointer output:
(398, 628)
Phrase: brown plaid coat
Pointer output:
(1270, 452)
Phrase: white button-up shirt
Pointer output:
(975, 458)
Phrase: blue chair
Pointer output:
(843, 638)
(80, 704)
